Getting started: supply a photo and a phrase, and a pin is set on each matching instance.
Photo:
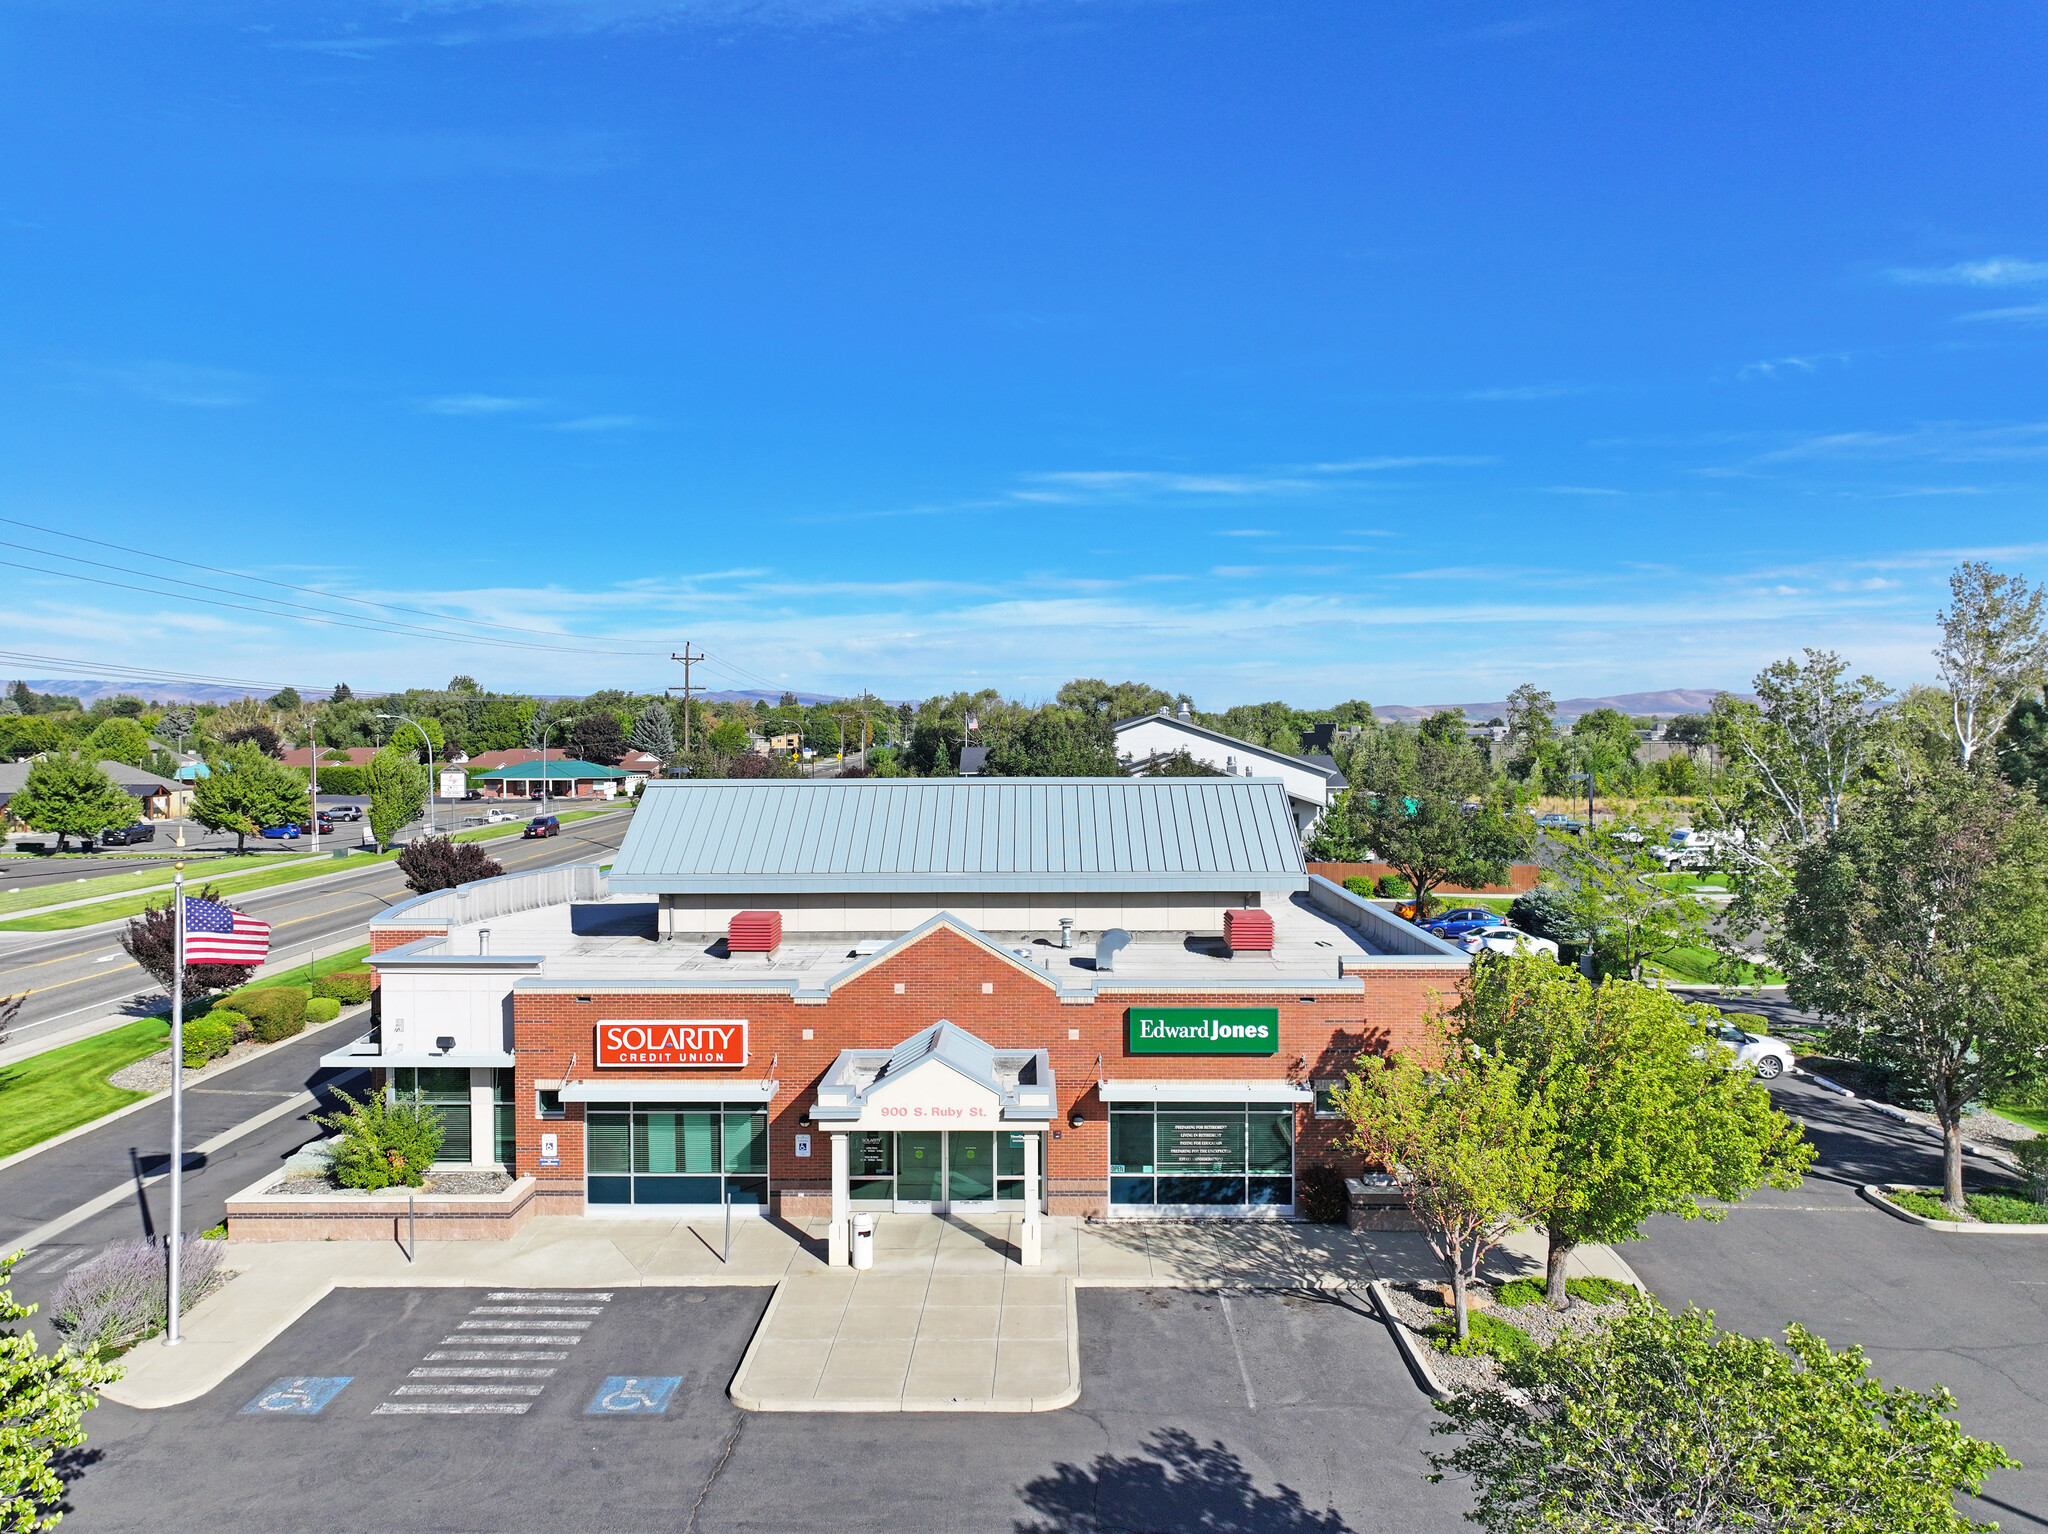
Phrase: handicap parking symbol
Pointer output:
(297, 1396)
(631, 1394)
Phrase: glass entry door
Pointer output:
(920, 1170)
(970, 1169)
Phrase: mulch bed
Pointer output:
(440, 1184)
(1479, 1371)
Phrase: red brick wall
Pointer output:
(942, 977)
(1521, 877)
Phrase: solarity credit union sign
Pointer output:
(1204, 1030)
(709, 1041)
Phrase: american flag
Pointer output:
(215, 934)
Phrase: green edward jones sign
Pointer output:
(1204, 1030)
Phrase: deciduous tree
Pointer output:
(438, 863)
(1661, 1422)
(151, 940)
(398, 792)
(1645, 1115)
(245, 790)
(1992, 650)
(1603, 874)
(43, 1401)
(2023, 746)
(1919, 928)
(68, 794)
(1462, 1138)
(118, 739)
(598, 737)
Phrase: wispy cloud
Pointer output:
(1245, 532)
(178, 383)
(1075, 484)
(1941, 441)
(1995, 272)
(1787, 367)
(1580, 490)
(2017, 314)
(476, 404)
(600, 423)
(1413, 461)
(1525, 392)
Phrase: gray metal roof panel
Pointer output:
(947, 834)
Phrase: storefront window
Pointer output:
(677, 1153)
(445, 1089)
(1201, 1155)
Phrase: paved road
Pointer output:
(1287, 1415)
(75, 975)
(1968, 1312)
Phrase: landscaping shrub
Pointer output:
(1319, 1194)
(1518, 1292)
(209, 1037)
(273, 1003)
(2033, 1156)
(121, 1296)
(1546, 912)
(1487, 1335)
(384, 1144)
(275, 1029)
(436, 863)
(322, 1009)
(1361, 886)
(1394, 887)
(343, 778)
(350, 987)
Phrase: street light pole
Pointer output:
(407, 718)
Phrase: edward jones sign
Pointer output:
(673, 1042)
(1204, 1030)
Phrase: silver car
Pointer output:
(1504, 939)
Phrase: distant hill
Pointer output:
(90, 692)
(1673, 700)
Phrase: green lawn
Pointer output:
(115, 884)
(1701, 966)
(2034, 1118)
(270, 874)
(62, 1088)
(1692, 884)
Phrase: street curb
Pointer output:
(1833, 1086)
(156, 1097)
(1418, 1366)
(1874, 1193)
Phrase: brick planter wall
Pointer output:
(254, 1215)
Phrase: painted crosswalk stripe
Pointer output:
(531, 1326)
(524, 1355)
(550, 1294)
(509, 1339)
(480, 1374)
(469, 1390)
(452, 1408)
(538, 1310)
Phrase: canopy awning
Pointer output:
(645, 1091)
(1205, 1092)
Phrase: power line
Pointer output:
(146, 673)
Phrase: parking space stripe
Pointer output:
(442, 1356)
(601, 1297)
(469, 1390)
(452, 1408)
(508, 1339)
(479, 1374)
(536, 1326)
(517, 1325)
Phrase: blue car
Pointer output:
(1452, 925)
(276, 832)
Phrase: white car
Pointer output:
(1769, 1057)
(1505, 940)
(498, 817)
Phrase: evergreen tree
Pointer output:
(654, 731)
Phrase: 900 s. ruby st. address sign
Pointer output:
(668, 1041)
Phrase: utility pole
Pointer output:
(688, 661)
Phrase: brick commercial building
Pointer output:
(1110, 997)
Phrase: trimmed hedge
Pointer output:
(322, 1009)
(282, 1003)
(350, 987)
(209, 1037)
(344, 778)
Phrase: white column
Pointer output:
(1030, 1235)
(483, 1117)
(836, 1254)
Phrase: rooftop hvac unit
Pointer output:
(754, 932)
(1247, 931)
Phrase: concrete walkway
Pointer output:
(962, 1265)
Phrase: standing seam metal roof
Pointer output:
(952, 834)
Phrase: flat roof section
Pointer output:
(967, 835)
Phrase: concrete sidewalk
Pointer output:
(276, 1282)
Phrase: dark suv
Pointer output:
(128, 836)
(542, 825)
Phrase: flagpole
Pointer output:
(177, 1099)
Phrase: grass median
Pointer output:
(269, 875)
(62, 1088)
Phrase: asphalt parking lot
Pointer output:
(1279, 1412)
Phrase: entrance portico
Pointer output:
(942, 1123)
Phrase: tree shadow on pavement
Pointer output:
(1175, 1484)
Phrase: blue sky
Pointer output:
(1308, 350)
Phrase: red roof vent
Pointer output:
(1246, 931)
(755, 932)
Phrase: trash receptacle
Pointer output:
(863, 1241)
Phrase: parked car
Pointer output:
(1503, 939)
(1455, 924)
(542, 825)
(474, 793)
(128, 836)
(343, 812)
(498, 817)
(1769, 1057)
(282, 833)
(1556, 822)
